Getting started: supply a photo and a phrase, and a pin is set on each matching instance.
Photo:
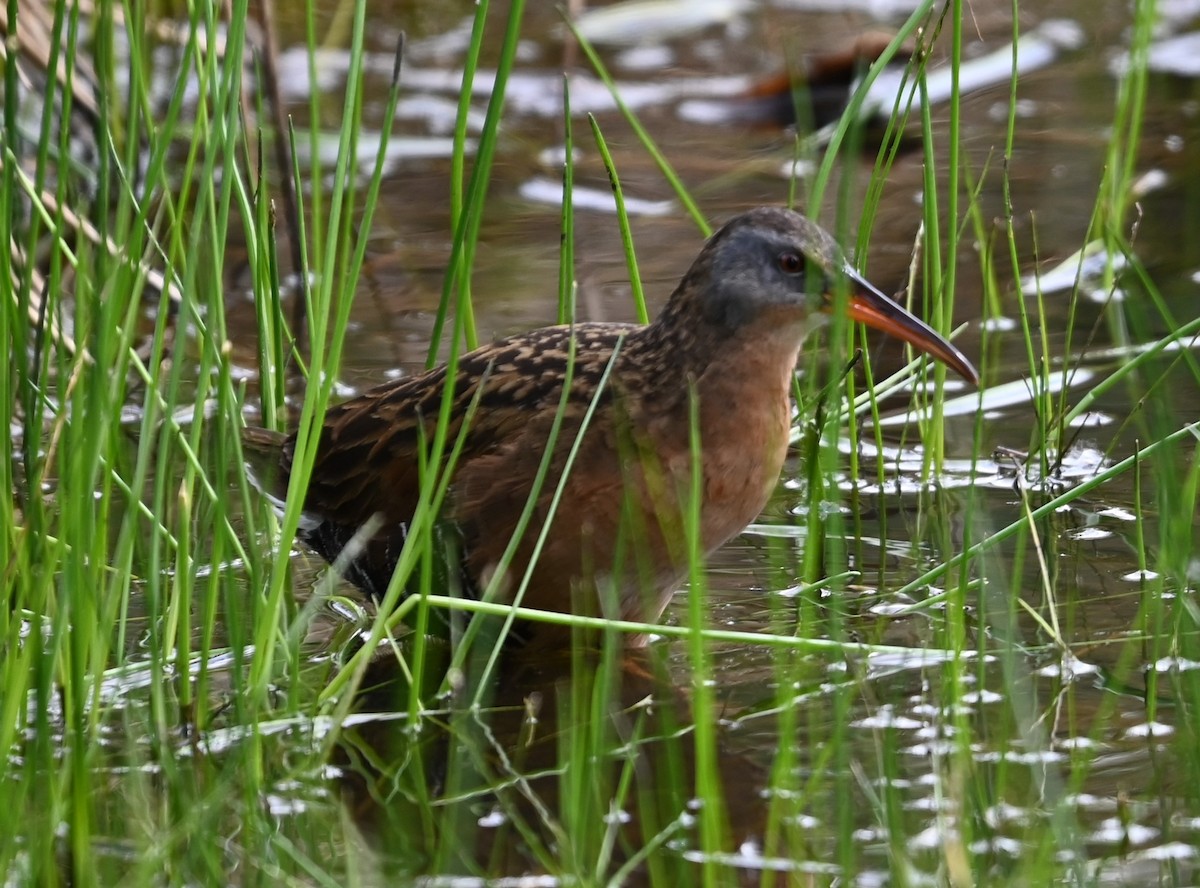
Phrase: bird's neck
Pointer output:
(678, 347)
(759, 357)
(675, 355)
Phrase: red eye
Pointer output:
(791, 263)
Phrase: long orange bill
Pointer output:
(867, 305)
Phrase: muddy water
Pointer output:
(1065, 121)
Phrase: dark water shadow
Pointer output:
(483, 791)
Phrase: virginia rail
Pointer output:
(728, 339)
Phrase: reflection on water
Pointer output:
(466, 788)
(481, 788)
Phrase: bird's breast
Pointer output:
(742, 461)
(746, 417)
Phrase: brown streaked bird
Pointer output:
(731, 333)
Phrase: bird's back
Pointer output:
(503, 399)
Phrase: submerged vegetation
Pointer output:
(959, 647)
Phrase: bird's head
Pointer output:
(772, 266)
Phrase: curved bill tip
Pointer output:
(869, 306)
